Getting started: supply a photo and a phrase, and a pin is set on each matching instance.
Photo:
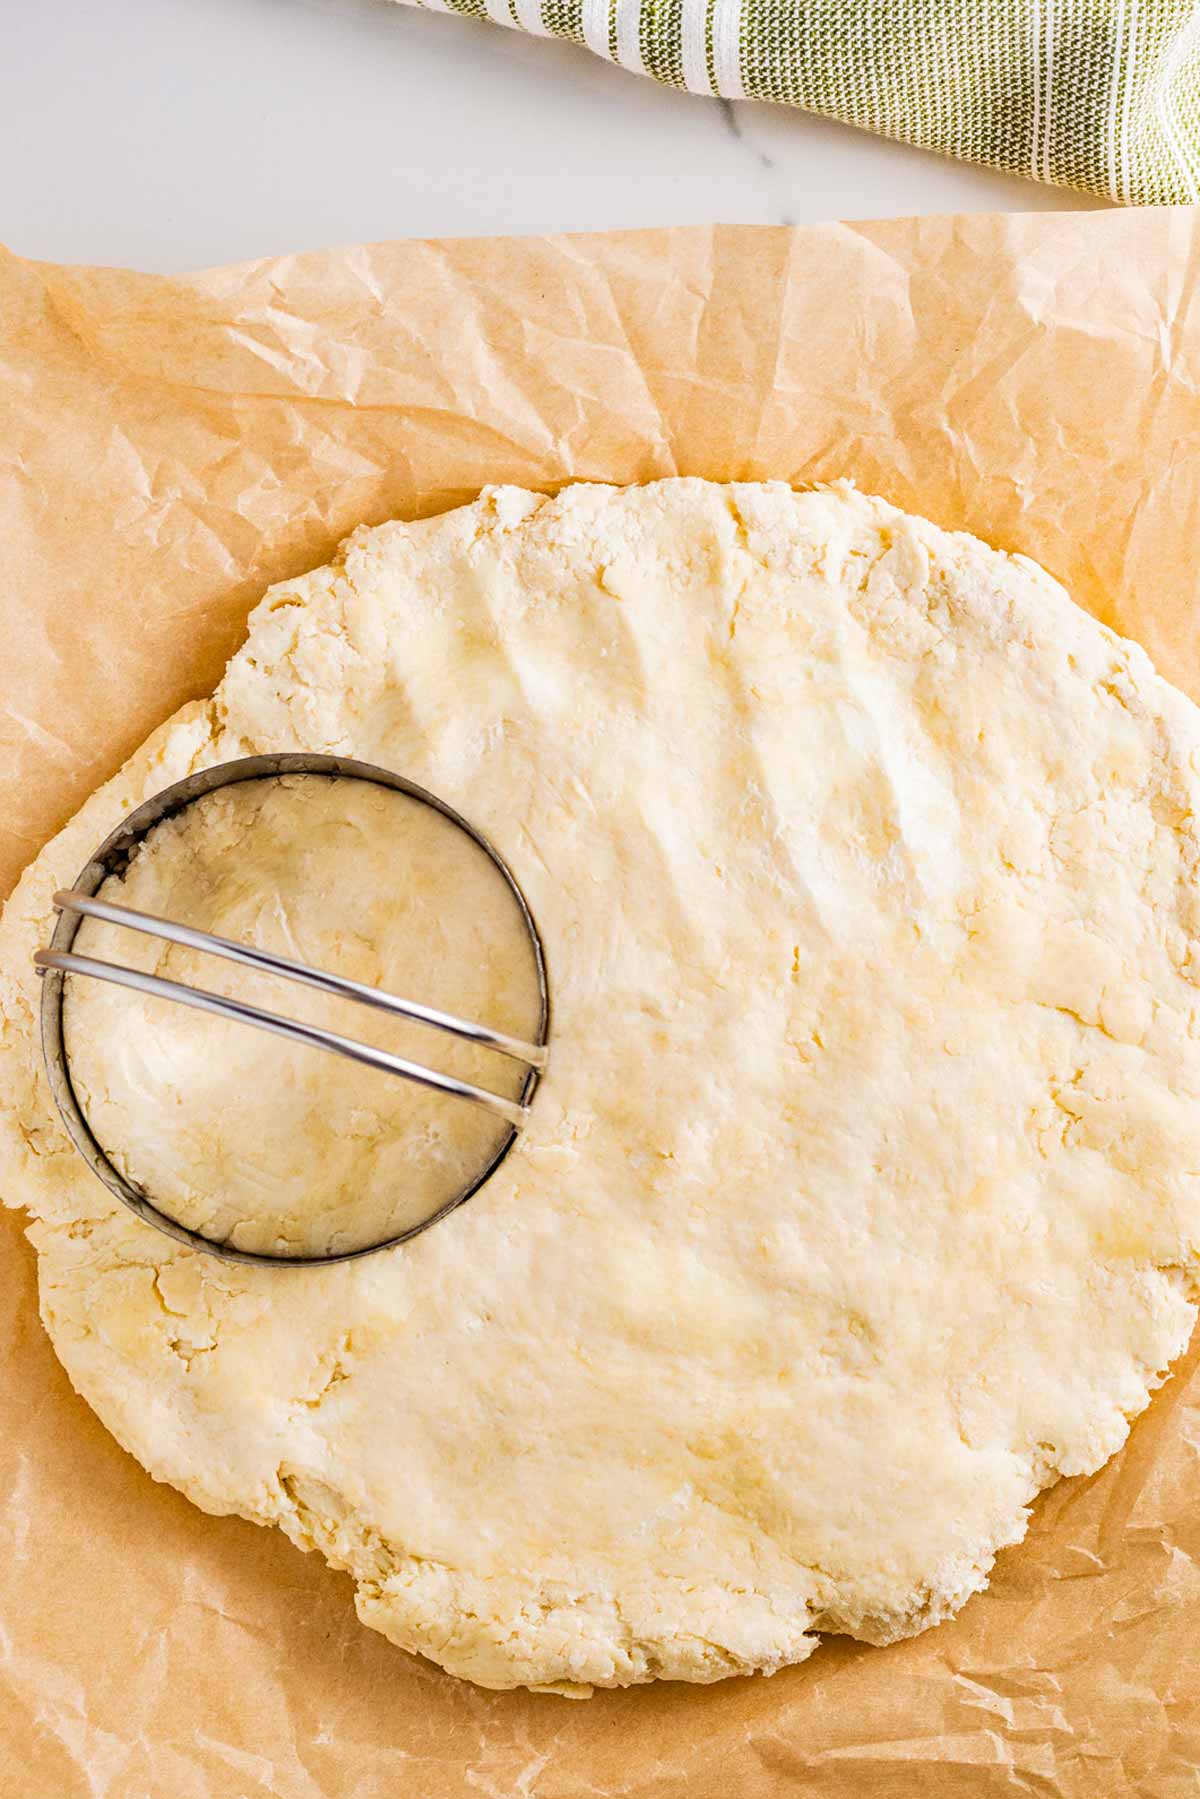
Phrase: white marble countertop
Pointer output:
(171, 134)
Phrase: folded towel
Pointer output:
(1096, 94)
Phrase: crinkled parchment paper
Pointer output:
(168, 447)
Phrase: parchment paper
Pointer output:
(170, 446)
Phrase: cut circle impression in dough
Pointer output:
(860, 1200)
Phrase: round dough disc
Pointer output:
(860, 1200)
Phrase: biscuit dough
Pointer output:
(861, 1199)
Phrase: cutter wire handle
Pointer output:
(532, 1055)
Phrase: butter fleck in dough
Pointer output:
(861, 1200)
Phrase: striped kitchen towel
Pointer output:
(1096, 94)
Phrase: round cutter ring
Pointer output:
(113, 857)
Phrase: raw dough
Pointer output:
(861, 1200)
(264, 1144)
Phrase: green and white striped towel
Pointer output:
(1097, 94)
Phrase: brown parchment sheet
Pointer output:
(170, 446)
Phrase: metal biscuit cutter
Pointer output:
(115, 855)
